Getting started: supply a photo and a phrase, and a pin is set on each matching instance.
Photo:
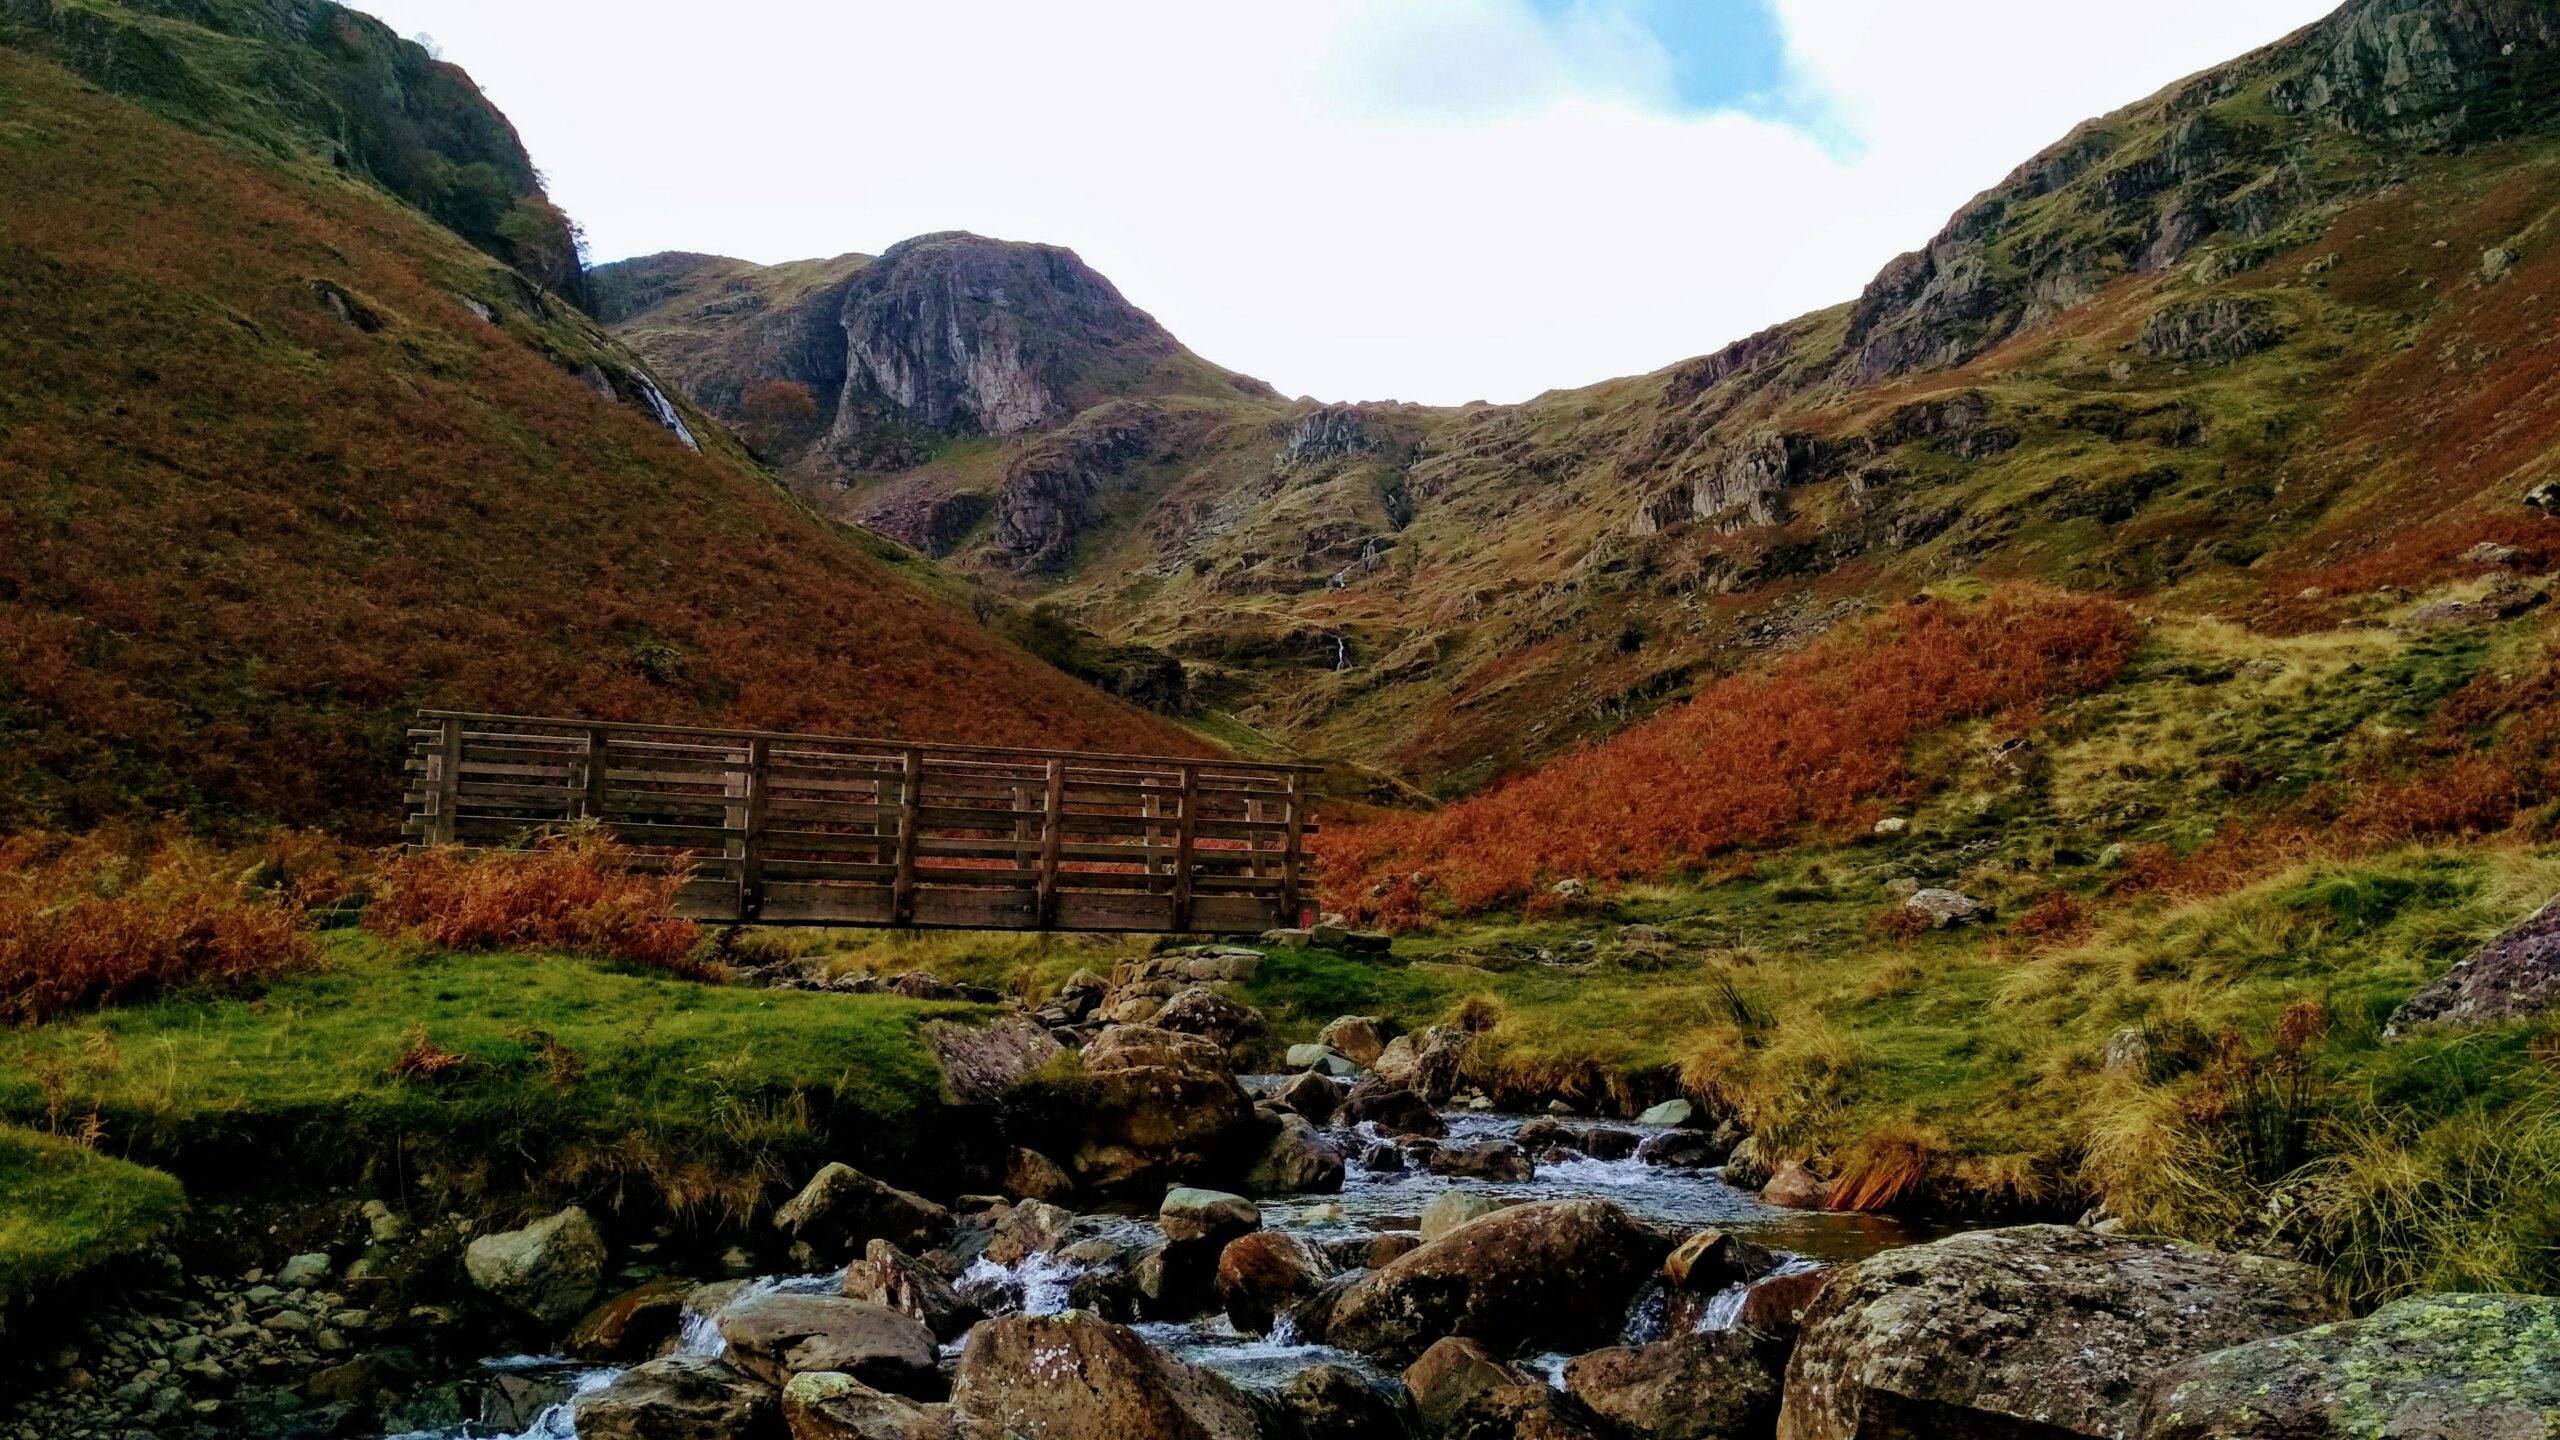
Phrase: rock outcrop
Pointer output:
(2511, 977)
(1163, 1107)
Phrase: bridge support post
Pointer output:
(1294, 797)
(902, 893)
(751, 846)
(1186, 834)
(1053, 796)
(599, 757)
(444, 794)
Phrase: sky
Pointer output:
(1431, 200)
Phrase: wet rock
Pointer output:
(1313, 1096)
(1330, 1401)
(1121, 1388)
(1557, 1274)
(1669, 1112)
(2485, 1366)
(1265, 1275)
(1452, 1372)
(1033, 1227)
(1392, 1108)
(1452, 1208)
(1362, 1038)
(1176, 1280)
(981, 1062)
(1192, 1214)
(1710, 1260)
(1206, 1013)
(774, 1337)
(1744, 1169)
(1607, 1142)
(1321, 1059)
(1796, 1187)
(824, 1405)
(1030, 1175)
(1682, 1150)
(631, 1325)
(1162, 1106)
(1706, 1385)
(841, 1210)
(2042, 1329)
(550, 1270)
(1524, 1412)
(1427, 1064)
(1382, 1158)
(1295, 1161)
(1945, 908)
(683, 1397)
(887, 1275)
(2512, 977)
(1778, 1305)
(1499, 1161)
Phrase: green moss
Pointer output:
(64, 1209)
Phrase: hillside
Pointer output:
(2281, 327)
(288, 459)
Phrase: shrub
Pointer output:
(574, 891)
(113, 919)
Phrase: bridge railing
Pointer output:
(834, 830)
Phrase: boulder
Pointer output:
(1030, 1175)
(1452, 1208)
(2036, 1330)
(825, 1405)
(1607, 1142)
(1944, 908)
(631, 1325)
(1778, 1305)
(1525, 1412)
(1427, 1064)
(1499, 1161)
(1336, 1402)
(1451, 1372)
(1191, 1214)
(1796, 1187)
(1704, 1385)
(841, 1210)
(887, 1275)
(1743, 1167)
(1177, 1279)
(1360, 1038)
(1081, 995)
(1382, 1158)
(1682, 1150)
(2484, 1366)
(1160, 1106)
(551, 1270)
(1321, 1060)
(1547, 1134)
(1313, 1096)
(1557, 1274)
(682, 1397)
(1392, 1108)
(303, 1271)
(981, 1062)
(774, 1337)
(1204, 1012)
(1710, 1260)
(1669, 1112)
(2512, 977)
(1265, 1275)
(1122, 1387)
(1295, 1161)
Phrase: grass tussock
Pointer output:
(573, 891)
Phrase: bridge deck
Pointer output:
(831, 830)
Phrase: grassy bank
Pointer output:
(65, 1208)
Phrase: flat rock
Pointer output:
(682, 1397)
(1452, 1208)
(1193, 1214)
(774, 1337)
(631, 1325)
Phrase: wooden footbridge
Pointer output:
(829, 830)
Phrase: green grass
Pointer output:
(577, 1077)
(64, 1209)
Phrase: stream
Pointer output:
(1369, 1203)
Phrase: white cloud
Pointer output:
(1425, 199)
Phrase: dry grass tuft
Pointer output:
(574, 891)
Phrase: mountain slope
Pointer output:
(2282, 327)
(285, 460)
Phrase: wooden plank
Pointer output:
(1113, 910)
(779, 842)
(940, 908)
(777, 868)
(1257, 766)
(821, 904)
(909, 812)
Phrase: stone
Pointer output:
(2041, 1329)
(1296, 1161)
(1265, 1275)
(1123, 1388)
(1704, 1385)
(887, 1275)
(682, 1397)
(1321, 1059)
(1030, 1175)
(1607, 1142)
(2513, 977)
(841, 1210)
(1336, 1402)
(2479, 1367)
(1361, 1038)
(1311, 1095)
(1452, 1208)
(1669, 1112)
(1945, 908)
(1382, 1158)
(2128, 1052)
(1392, 1108)
(1193, 1214)
(981, 1062)
(1682, 1150)
(304, 1271)
(631, 1325)
(1428, 1064)
(1710, 1260)
(1743, 1168)
(1206, 1013)
(550, 1270)
(1498, 1161)
(1892, 825)
(1034, 1227)
(1778, 1304)
(1451, 1372)
(826, 1405)
(1796, 1187)
(1524, 1412)
(1557, 1274)
(1161, 1106)
(774, 1337)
